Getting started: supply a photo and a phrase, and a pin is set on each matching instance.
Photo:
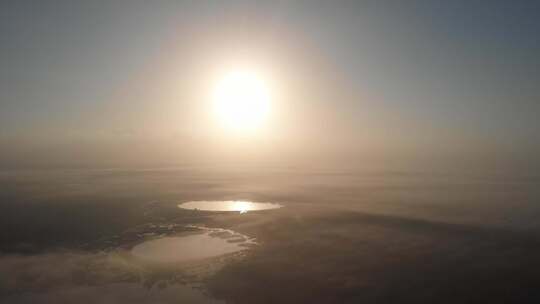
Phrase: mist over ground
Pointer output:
(401, 138)
(376, 237)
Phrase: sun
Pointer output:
(241, 101)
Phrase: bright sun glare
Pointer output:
(241, 100)
(240, 206)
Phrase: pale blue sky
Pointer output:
(425, 74)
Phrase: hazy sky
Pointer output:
(108, 82)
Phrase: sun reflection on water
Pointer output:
(240, 206)
(235, 206)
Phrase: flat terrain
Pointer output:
(341, 237)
